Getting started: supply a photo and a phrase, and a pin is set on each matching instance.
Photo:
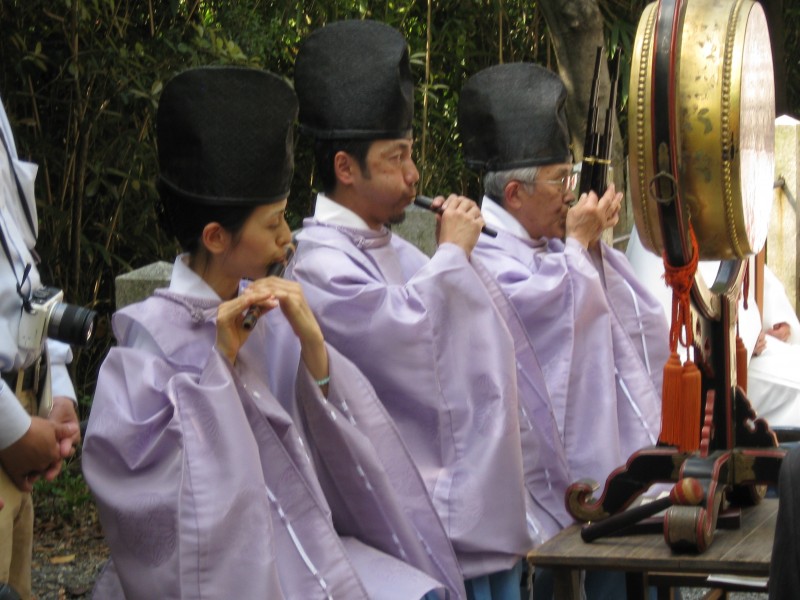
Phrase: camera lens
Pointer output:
(71, 324)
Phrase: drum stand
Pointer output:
(738, 452)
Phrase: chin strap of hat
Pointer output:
(680, 396)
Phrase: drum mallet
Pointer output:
(686, 492)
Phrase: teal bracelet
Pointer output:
(323, 381)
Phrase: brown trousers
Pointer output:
(16, 528)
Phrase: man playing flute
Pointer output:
(425, 332)
(599, 336)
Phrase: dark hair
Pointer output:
(185, 219)
(325, 150)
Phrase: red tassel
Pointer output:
(690, 407)
(670, 398)
(680, 392)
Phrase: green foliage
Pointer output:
(80, 81)
(62, 499)
(792, 30)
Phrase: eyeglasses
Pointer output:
(568, 183)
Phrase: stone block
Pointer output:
(419, 228)
(140, 283)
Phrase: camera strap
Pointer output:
(23, 200)
(26, 301)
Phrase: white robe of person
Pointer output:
(773, 377)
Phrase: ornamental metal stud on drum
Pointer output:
(723, 110)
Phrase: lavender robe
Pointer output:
(356, 446)
(438, 353)
(547, 473)
(593, 342)
(202, 482)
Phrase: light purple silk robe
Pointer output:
(363, 466)
(204, 486)
(547, 473)
(428, 337)
(601, 347)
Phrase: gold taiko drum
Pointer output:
(723, 122)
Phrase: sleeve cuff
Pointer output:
(59, 352)
(573, 245)
(60, 355)
(14, 420)
(451, 249)
(61, 382)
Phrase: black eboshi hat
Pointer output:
(512, 116)
(225, 136)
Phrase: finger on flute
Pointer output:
(427, 203)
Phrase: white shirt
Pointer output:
(14, 420)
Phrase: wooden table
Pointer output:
(745, 551)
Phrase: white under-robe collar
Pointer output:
(186, 282)
(331, 212)
(498, 217)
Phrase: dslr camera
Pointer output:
(50, 317)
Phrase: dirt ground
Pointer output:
(68, 553)
(66, 560)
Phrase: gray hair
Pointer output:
(495, 182)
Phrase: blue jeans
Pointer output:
(503, 585)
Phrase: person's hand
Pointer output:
(293, 304)
(460, 223)
(761, 344)
(37, 453)
(63, 412)
(231, 334)
(591, 215)
(781, 331)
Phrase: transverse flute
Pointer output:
(427, 203)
